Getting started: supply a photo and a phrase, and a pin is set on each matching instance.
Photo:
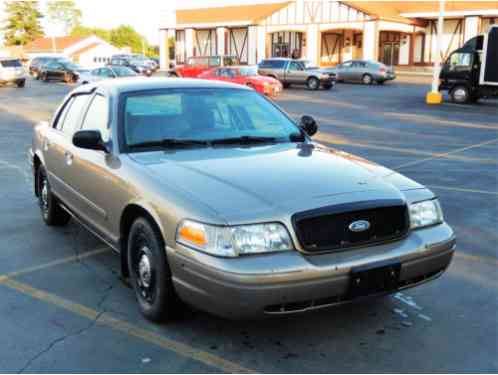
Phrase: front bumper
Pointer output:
(289, 282)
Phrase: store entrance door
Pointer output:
(390, 53)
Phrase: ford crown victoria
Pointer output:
(214, 197)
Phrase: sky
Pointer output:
(144, 15)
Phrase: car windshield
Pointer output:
(208, 115)
(123, 71)
(249, 71)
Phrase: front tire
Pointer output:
(327, 86)
(313, 83)
(21, 83)
(52, 213)
(460, 95)
(150, 273)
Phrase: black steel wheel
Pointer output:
(150, 273)
(52, 213)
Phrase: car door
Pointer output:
(59, 71)
(93, 171)
(58, 150)
(296, 72)
(345, 71)
(357, 71)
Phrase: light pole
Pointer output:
(434, 96)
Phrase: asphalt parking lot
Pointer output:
(64, 307)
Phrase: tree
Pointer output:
(23, 22)
(83, 31)
(64, 12)
(126, 36)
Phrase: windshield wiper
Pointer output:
(244, 140)
(170, 142)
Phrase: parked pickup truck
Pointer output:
(294, 72)
(200, 64)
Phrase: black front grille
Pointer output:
(328, 228)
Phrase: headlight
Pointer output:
(235, 240)
(426, 213)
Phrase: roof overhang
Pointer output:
(403, 11)
(227, 15)
(456, 14)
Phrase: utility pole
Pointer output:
(434, 96)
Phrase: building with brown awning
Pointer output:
(326, 32)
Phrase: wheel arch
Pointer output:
(37, 162)
(131, 212)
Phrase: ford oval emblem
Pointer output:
(359, 226)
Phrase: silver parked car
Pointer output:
(214, 196)
(295, 72)
(106, 72)
(12, 71)
(366, 72)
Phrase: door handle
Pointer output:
(69, 158)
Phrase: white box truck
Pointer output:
(471, 72)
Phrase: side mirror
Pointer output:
(309, 125)
(90, 140)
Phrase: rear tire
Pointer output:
(313, 83)
(327, 86)
(21, 83)
(460, 95)
(52, 213)
(149, 272)
(367, 79)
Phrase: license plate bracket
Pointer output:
(376, 278)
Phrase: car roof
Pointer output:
(119, 86)
(6, 58)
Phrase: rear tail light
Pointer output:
(382, 70)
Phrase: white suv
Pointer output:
(12, 71)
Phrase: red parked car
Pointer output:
(200, 64)
(245, 75)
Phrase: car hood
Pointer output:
(244, 184)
